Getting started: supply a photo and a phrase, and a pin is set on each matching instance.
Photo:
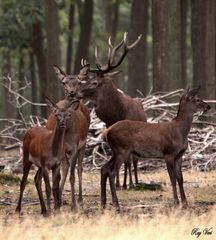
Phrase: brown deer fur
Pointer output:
(75, 135)
(167, 140)
(45, 149)
(111, 105)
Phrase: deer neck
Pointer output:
(184, 119)
(109, 104)
(57, 140)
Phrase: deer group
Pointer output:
(128, 133)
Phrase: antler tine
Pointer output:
(82, 64)
(98, 64)
(128, 47)
(113, 52)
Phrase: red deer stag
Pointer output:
(167, 140)
(75, 134)
(111, 105)
(45, 149)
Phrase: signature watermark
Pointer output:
(197, 232)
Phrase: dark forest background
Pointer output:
(177, 48)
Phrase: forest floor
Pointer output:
(136, 205)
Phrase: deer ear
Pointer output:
(194, 91)
(50, 103)
(60, 74)
(191, 93)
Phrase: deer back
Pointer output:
(157, 139)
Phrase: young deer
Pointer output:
(75, 134)
(166, 140)
(111, 105)
(45, 149)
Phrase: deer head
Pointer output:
(62, 114)
(94, 78)
(70, 83)
(194, 103)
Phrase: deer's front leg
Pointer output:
(65, 167)
(81, 153)
(73, 160)
(172, 174)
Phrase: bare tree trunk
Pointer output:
(8, 110)
(167, 65)
(53, 88)
(33, 82)
(159, 32)
(85, 34)
(38, 49)
(70, 36)
(21, 80)
(184, 10)
(198, 42)
(210, 50)
(137, 63)
(111, 13)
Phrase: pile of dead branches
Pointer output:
(201, 153)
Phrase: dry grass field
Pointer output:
(144, 214)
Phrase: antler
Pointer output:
(111, 54)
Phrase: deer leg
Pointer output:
(179, 177)
(55, 188)
(135, 164)
(26, 169)
(125, 176)
(80, 171)
(130, 173)
(72, 180)
(114, 167)
(118, 185)
(172, 174)
(65, 166)
(104, 176)
(47, 186)
(38, 183)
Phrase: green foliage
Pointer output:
(16, 19)
(9, 178)
(147, 186)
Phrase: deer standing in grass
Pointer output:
(75, 134)
(111, 105)
(166, 140)
(45, 149)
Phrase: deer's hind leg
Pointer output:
(38, 185)
(26, 168)
(117, 160)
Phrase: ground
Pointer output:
(144, 214)
(200, 188)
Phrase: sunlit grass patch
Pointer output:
(178, 225)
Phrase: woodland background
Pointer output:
(178, 47)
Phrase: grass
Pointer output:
(9, 178)
(144, 214)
